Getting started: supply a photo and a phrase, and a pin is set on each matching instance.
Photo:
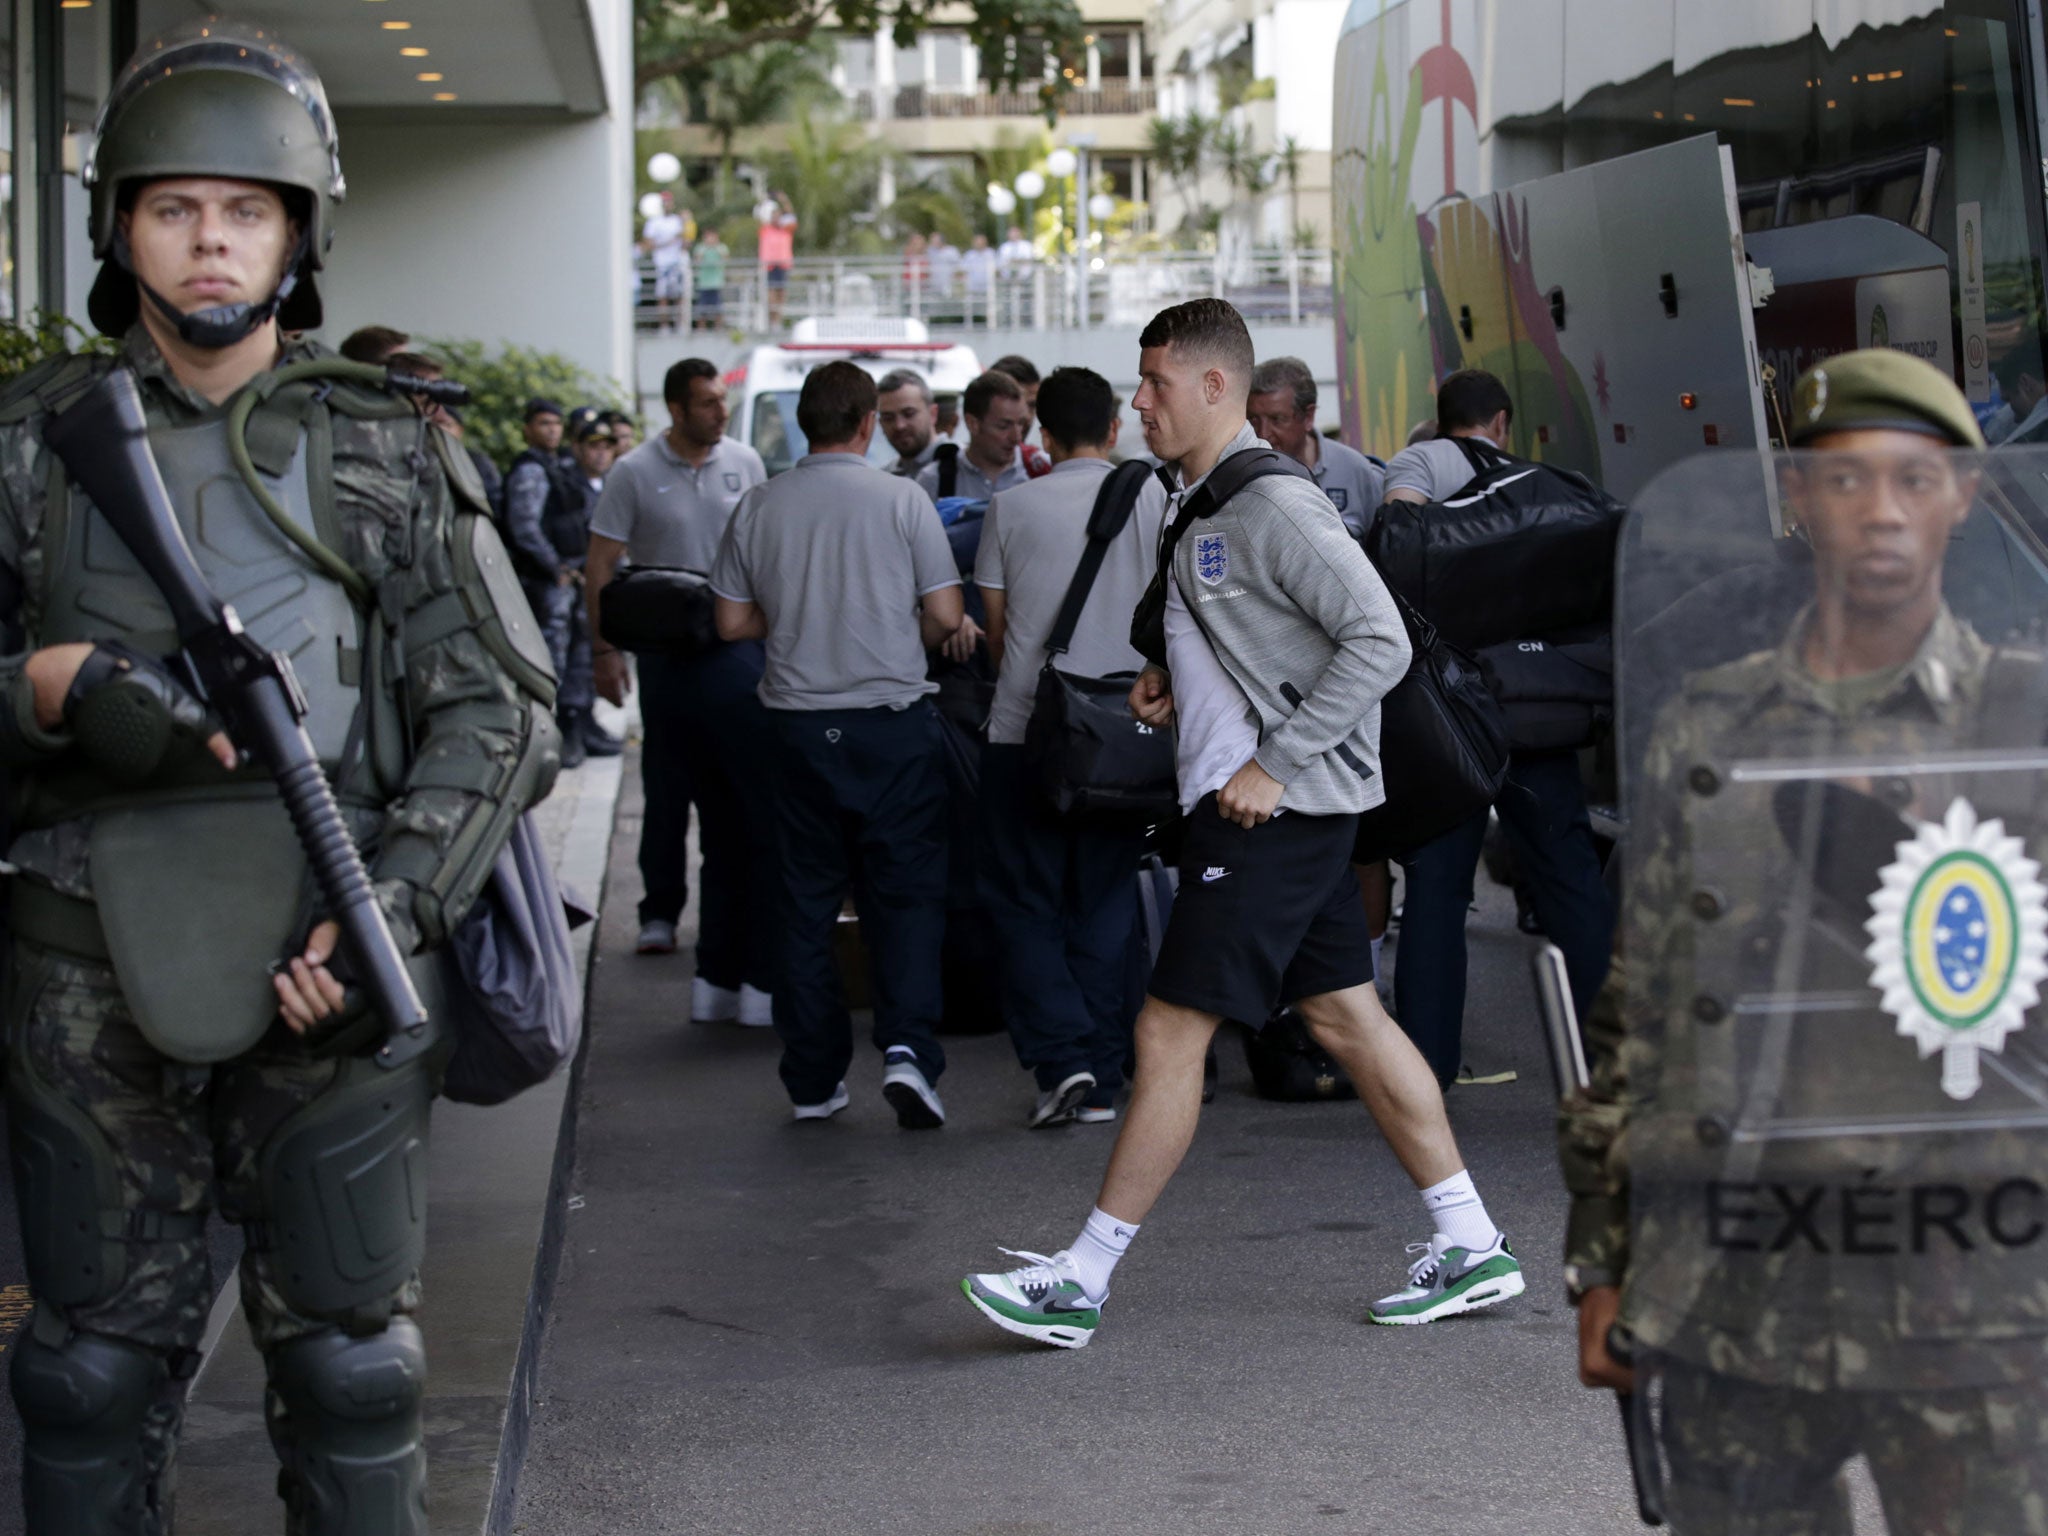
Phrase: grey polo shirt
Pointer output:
(1438, 469)
(971, 482)
(836, 554)
(909, 467)
(667, 512)
(1350, 480)
(1032, 540)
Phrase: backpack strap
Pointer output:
(1114, 502)
(947, 457)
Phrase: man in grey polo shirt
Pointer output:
(667, 503)
(997, 417)
(845, 572)
(909, 419)
(1061, 892)
(1469, 403)
(1282, 410)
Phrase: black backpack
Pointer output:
(947, 457)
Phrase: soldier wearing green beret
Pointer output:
(179, 1033)
(1810, 1174)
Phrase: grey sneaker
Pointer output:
(825, 1111)
(1449, 1279)
(1059, 1105)
(656, 938)
(1042, 1301)
(909, 1093)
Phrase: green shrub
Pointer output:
(501, 382)
(45, 336)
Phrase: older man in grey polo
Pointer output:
(846, 573)
(667, 503)
(1282, 410)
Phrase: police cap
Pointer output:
(1880, 388)
(540, 405)
(591, 429)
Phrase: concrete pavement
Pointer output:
(758, 1326)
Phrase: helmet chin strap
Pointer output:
(225, 324)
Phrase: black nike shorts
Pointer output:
(1263, 917)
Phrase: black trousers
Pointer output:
(860, 804)
(709, 744)
(1063, 897)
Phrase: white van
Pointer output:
(762, 390)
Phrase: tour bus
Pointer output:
(1648, 216)
(763, 389)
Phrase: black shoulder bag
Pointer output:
(947, 457)
(1082, 744)
(663, 610)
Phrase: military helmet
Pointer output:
(215, 97)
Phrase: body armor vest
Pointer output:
(201, 883)
(565, 519)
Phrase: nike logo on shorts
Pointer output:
(1213, 873)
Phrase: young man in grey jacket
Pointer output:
(1281, 641)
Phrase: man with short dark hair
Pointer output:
(567, 529)
(373, 344)
(1060, 892)
(1469, 403)
(1025, 372)
(1542, 807)
(997, 418)
(908, 419)
(547, 517)
(1282, 410)
(667, 504)
(1280, 641)
(846, 574)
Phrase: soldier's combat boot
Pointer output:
(96, 1451)
(345, 1418)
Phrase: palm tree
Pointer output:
(746, 90)
(831, 171)
(1178, 147)
(1289, 156)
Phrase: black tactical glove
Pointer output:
(126, 712)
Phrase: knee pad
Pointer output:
(88, 1467)
(346, 1421)
(68, 1181)
(345, 1187)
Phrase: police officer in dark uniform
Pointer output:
(178, 1035)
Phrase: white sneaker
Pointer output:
(656, 938)
(1059, 1105)
(824, 1111)
(1095, 1114)
(712, 1005)
(913, 1098)
(757, 1008)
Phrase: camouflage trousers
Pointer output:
(1753, 1460)
(183, 1141)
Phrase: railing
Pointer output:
(1115, 290)
(1112, 99)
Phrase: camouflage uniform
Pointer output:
(187, 1137)
(1805, 1300)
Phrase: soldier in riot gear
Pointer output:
(180, 1033)
(1810, 1173)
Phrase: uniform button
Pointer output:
(1704, 780)
(1712, 1131)
(1708, 1009)
(1707, 904)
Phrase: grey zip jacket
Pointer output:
(1302, 622)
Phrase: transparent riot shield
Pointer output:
(1834, 704)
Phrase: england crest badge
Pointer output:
(1212, 558)
(1959, 941)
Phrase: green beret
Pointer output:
(1880, 388)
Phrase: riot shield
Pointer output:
(1834, 703)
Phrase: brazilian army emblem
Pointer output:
(1959, 941)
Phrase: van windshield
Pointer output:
(774, 434)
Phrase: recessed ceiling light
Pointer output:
(397, 26)
(412, 53)
(429, 75)
(75, 5)
(444, 95)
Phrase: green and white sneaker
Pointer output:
(1042, 1301)
(1449, 1279)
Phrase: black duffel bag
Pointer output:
(1087, 752)
(1443, 747)
(1523, 549)
(1557, 695)
(663, 610)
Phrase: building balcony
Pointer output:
(1111, 99)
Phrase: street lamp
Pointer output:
(1102, 207)
(1030, 186)
(663, 167)
(1061, 162)
(1002, 202)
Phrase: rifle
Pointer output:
(1569, 1074)
(103, 442)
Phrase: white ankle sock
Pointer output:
(1459, 1213)
(1101, 1243)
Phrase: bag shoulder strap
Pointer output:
(1115, 499)
(947, 457)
